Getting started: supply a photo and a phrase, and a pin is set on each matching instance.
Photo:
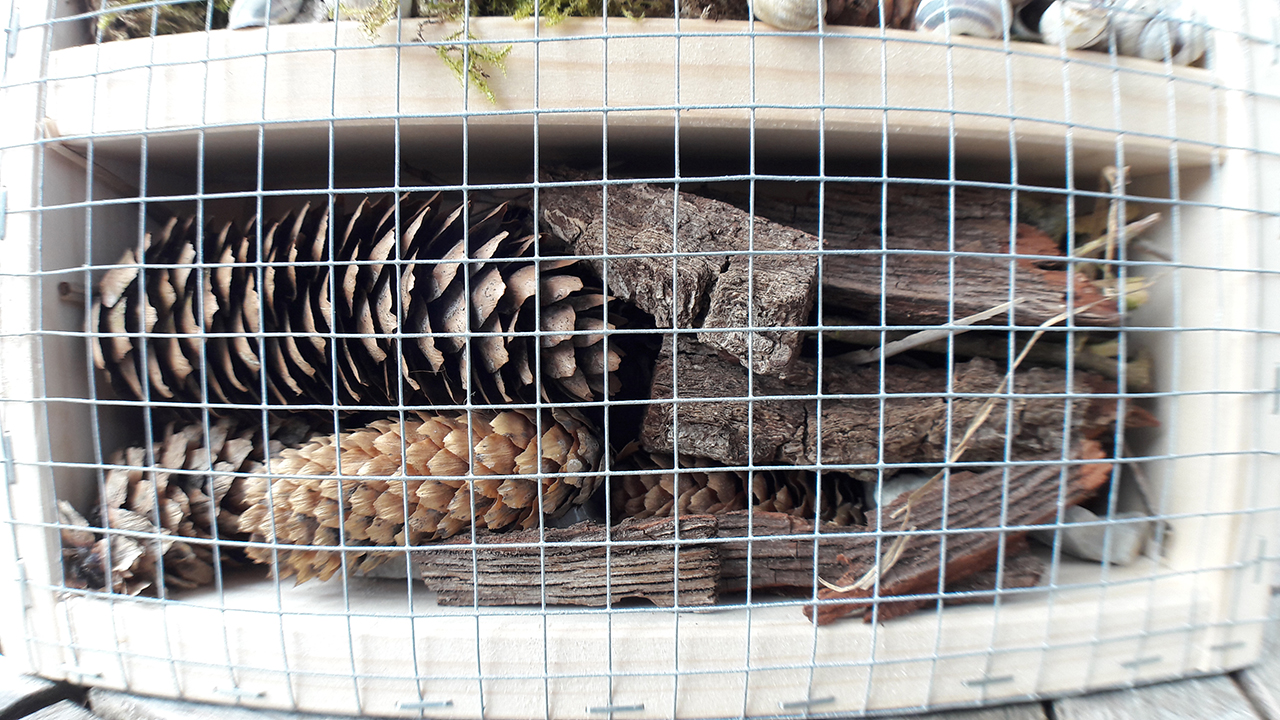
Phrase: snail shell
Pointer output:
(1153, 28)
(789, 14)
(1074, 24)
(979, 18)
(1128, 19)
(1178, 34)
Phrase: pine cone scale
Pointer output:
(385, 510)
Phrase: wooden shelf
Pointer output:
(890, 90)
(299, 643)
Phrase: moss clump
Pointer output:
(468, 62)
(371, 16)
(121, 24)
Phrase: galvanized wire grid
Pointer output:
(51, 403)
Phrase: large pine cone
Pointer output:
(193, 491)
(449, 304)
(308, 505)
(700, 490)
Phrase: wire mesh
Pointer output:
(746, 224)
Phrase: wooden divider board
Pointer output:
(297, 73)
(302, 646)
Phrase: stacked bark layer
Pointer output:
(668, 561)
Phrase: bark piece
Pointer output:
(782, 561)
(730, 288)
(1099, 358)
(914, 416)
(1029, 495)
(781, 550)
(919, 287)
(718, 429)
(571, 566)
(1020, 569)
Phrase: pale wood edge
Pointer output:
(1207, 697)
(1085, 638)
(231, 93)
(29, 554)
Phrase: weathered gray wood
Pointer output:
(913, 418)
(62, 710)
(1261, 681)
(111, 705)
(554, 565)
(1212, 698)
(905, 263)
(1024, 711)
(21, 694)
(646, 224)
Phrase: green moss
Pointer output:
(371, 16)
(440, 10)
(468, 62)
(555, 11)
(167, 19)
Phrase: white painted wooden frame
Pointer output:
(1198, 609)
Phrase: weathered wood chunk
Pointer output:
(910, 425)
(724, 289)
(973, 508)
(900, 246)
(568, 566)
(782, 549)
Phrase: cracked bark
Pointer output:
(748, 273)
(568, 566)
(925, 282)
(910, 424)
(956, 530)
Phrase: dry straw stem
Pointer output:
(1132, 288)
(1113, 181)
(495, 471)
(924, 337)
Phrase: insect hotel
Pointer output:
(645, 360)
